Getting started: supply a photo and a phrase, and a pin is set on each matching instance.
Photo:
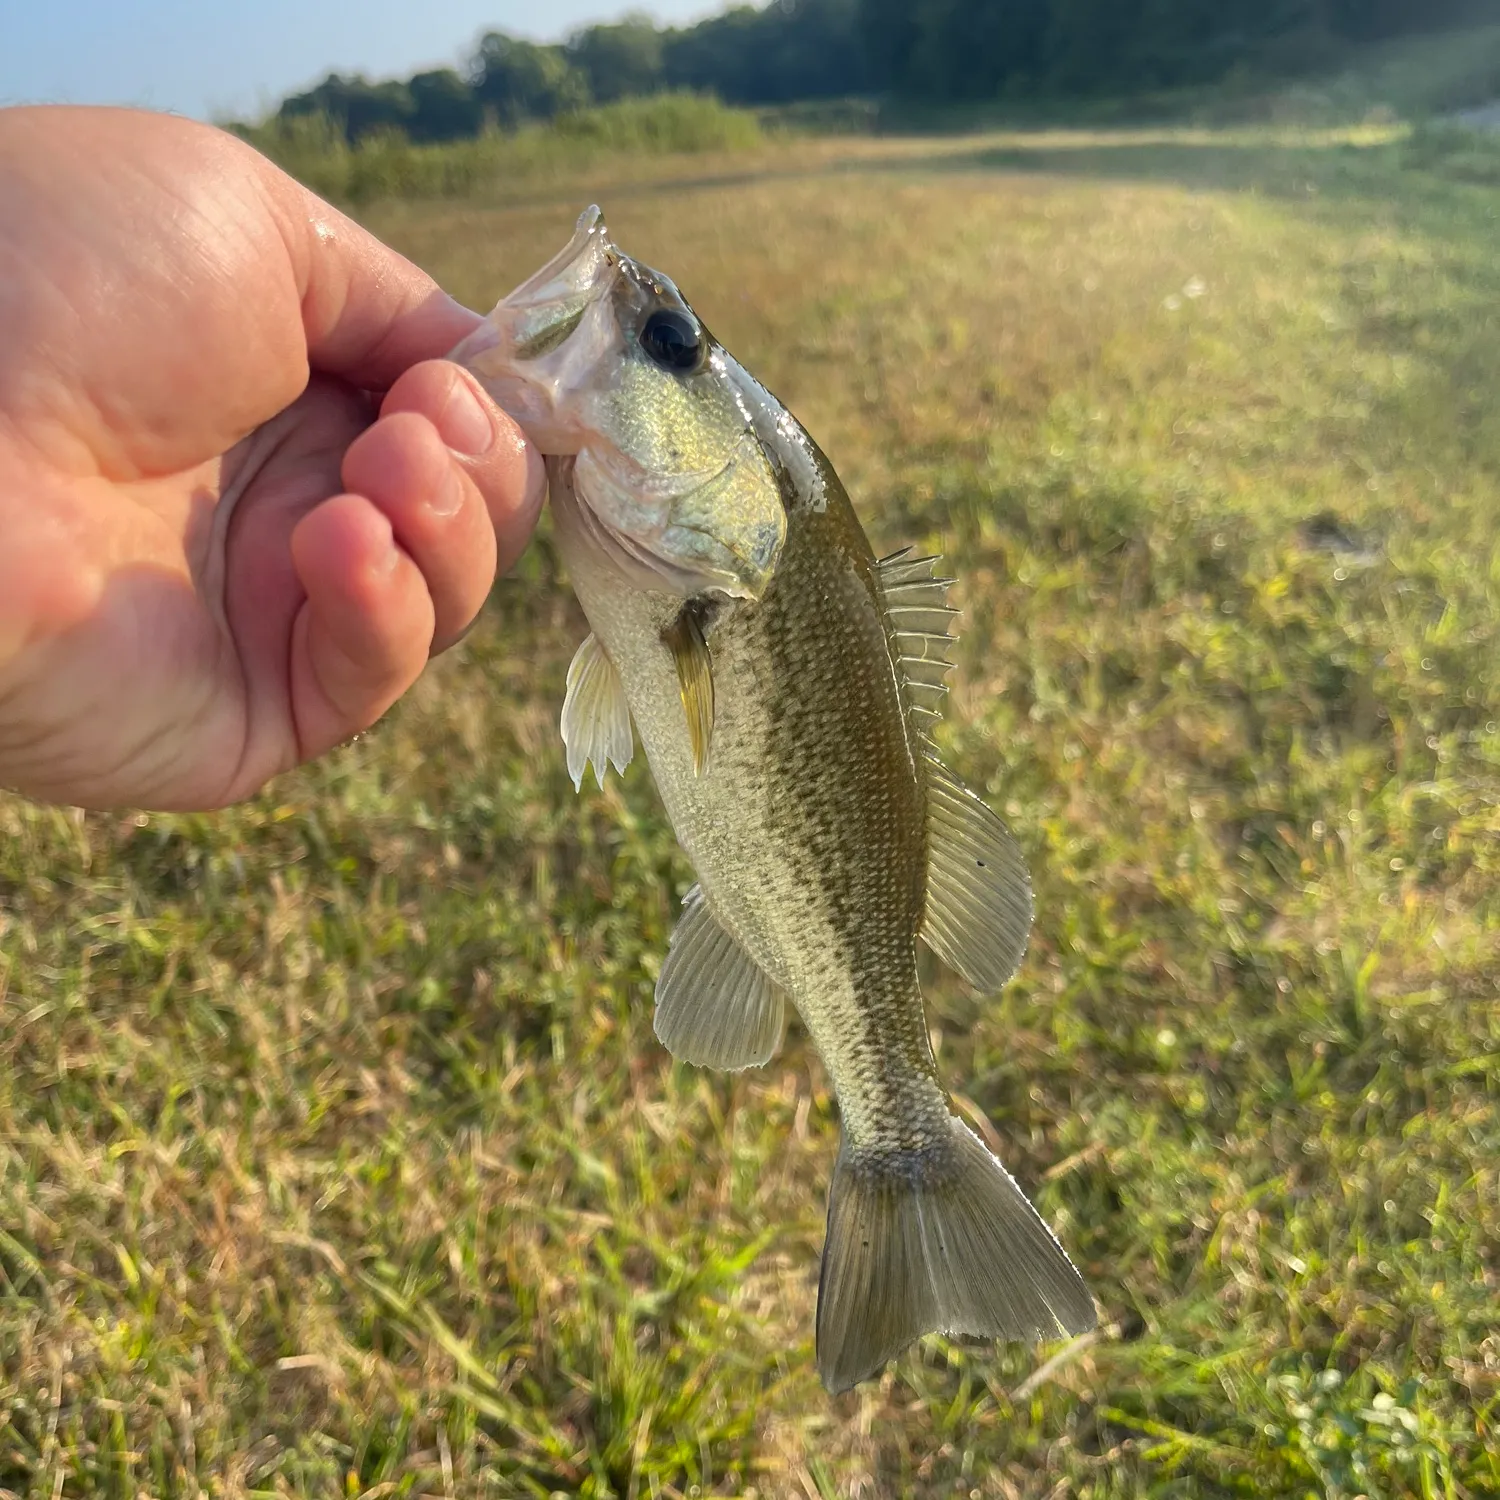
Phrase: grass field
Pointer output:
(336, 1151)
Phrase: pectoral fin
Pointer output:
(979, 903)
(595, 716)
(714, 1005)
(695, 677)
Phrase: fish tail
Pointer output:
(941, 1241)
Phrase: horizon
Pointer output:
(215, 65)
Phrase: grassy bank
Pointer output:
(390, 166)
(336, 1151)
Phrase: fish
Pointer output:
(784, 683)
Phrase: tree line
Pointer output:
(933, 51)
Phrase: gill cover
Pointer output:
(601, 361)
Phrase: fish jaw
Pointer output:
(540, 344)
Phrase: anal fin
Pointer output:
(979, 904)
(715, 1007)
(595, 716)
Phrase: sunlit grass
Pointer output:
(336, 1151)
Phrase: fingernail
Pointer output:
(465, 425)
(536, 478)
(384, 562)
(450, 495)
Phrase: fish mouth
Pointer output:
(506, 351)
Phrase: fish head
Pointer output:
(601, 360)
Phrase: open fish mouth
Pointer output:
(546, 316)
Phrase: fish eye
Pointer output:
(674, 341)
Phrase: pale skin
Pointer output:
(242, 497)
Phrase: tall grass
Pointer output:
(388, 165)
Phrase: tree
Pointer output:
(444, 107)
(520, 80)
(1364, 19)
(619, 61)
(955, 49)
(355, 105)
(931, 50)
(792, 49)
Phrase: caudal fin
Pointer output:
(949, 1244)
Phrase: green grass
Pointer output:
(336, 1151)
(1463, 154)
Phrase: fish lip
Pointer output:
(577, 277)
(470, 350)
(589, 228)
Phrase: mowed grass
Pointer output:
(336, 1151)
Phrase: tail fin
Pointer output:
(945, 1244)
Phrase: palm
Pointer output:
(186, 652)
(214, 566)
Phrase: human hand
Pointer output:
(241, 497)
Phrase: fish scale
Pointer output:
(806, 828)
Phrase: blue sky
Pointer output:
(209, 58)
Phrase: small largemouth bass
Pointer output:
(783, 682)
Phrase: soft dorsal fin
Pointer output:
(715, 1006)
(595, 716)
(979, 904)
(916, 604)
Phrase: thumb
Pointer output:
(368, 313)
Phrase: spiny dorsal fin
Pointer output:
(715, 1007)
(979, 904)
(916, 603)
(595, 716)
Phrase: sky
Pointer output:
(212, 59)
